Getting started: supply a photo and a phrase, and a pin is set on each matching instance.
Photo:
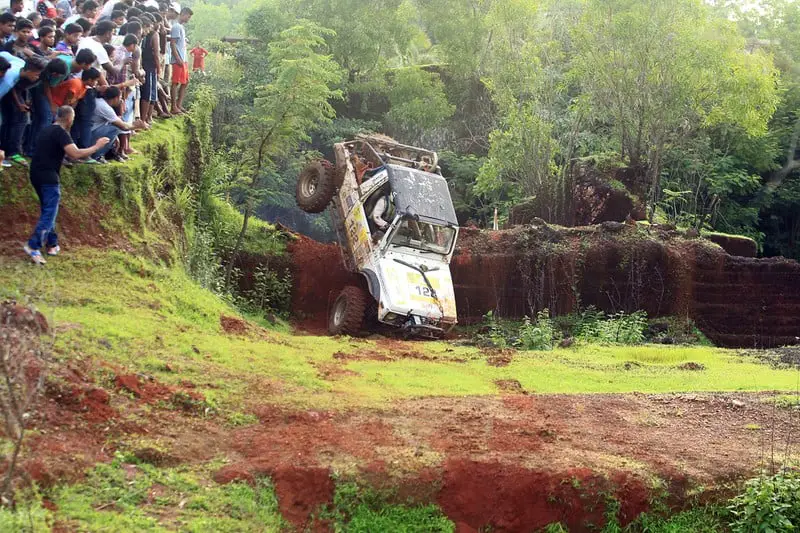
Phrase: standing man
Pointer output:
(53, 144)
(180, 67)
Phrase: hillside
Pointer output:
(167, 409)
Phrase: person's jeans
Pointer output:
(14, 123)
(45, 233)
(108, 130)
(82, 127)
(41, 117)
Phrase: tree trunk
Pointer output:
(238, 245)
(792, 163)
(655, 179)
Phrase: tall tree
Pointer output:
(660, 70)
(296, 101)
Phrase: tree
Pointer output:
(659, 71)
(210, 22)
(285, 111)
(418, 102)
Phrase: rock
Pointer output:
(738, 404)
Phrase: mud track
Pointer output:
(515, 462)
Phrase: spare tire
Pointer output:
(315, 187)
(347, 315)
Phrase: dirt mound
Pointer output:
(735, 244)
(319, 275)
(79, 219)
(508, 498)
(232, 325)
(146, 391)
(302, 492)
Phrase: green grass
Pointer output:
(128, 497)
(152, 318)
(365, 510)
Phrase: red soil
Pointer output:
(75, 227)
(301, 492)
(319, 276)
(148, 391)
(232, 325)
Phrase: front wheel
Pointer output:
(347, 315)
(315, 187)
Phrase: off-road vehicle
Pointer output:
(396, 225)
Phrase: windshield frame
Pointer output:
(398, 224)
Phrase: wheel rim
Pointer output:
(339, 312)
(309, 185)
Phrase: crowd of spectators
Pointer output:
(73, 53)
(78, 78)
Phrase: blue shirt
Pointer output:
(178, 36)
(12, 74)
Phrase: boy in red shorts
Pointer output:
(199, 54)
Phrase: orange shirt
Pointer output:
(199, 55)
(74, 86)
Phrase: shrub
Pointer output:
(768, 504)
(271, 292)
(539, 335)
(620, 328)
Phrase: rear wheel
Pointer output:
(347, 315)
(315, 187)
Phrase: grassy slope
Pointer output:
(158, 322)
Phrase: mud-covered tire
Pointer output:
(315, 187)
(347, 314)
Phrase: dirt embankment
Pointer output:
(736, 301)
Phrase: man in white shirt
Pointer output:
(103, 33)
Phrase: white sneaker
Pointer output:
(55, 250)
(35, 255)
(7, 164)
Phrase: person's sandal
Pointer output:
(35, 255)
(18, 159)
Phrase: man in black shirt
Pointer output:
(53, 144)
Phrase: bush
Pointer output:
(539, 335)
(620, 328)
(271, 292)
(768, 504)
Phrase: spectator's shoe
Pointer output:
(101, 161)
(54, 250)
(88, 161)
(35, 255)
(67, 162)
(7, 164)
(18, 159)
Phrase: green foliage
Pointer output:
(418, 102)
(539, 335)
(363, 510)
(271, 292)
(767, 504)
(619, 328)
(27, 516)
(700, 520)
(116, 496)
(210, 21)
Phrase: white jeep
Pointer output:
(396, 225)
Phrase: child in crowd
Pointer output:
(72, 35)
(199, 54)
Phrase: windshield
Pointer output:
(424, 236)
